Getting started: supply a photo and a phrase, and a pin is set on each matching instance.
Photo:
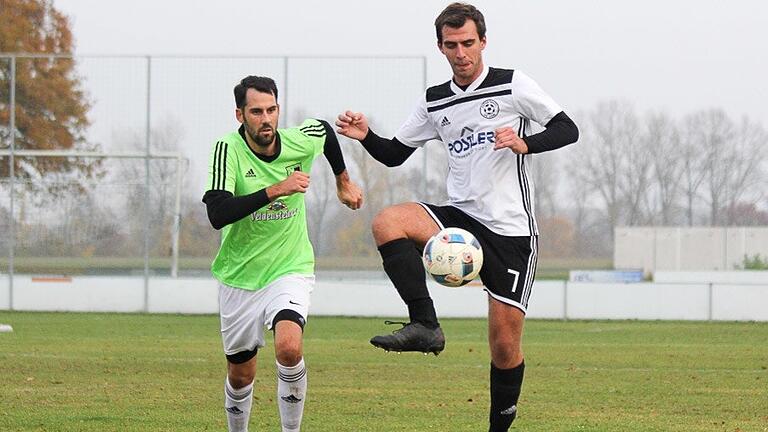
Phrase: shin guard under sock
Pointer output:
(505, 391)
(402, 263)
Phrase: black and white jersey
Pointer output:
(492, 186)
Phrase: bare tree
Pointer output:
(635, 179)
(435, 173)
(707, 140)
(744, 166)
(321, 194)
(693, 164)
(371, 176)
(319, 200)
(579, 214)
(611, 163)
(662, 139)
(546, 179)
(166, 136)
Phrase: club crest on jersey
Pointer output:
(276, 210)
(293, 167)
(277, 205)
(489, 108)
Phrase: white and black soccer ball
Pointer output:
(453, 257)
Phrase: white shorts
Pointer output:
(244, 313)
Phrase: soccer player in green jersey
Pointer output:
(265, 265)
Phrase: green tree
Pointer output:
(51, 108)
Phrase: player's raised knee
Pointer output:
(386, 224)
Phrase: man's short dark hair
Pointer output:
(258, 83)
(455, 15)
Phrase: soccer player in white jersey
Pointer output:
(482, 116)
(265, 266)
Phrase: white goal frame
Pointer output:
(181, 162)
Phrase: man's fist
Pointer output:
(298, 181)
(506, 137)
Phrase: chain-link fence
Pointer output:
(103, 162)
(104, 159)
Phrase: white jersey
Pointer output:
(492, 186)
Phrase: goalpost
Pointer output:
(181, 163)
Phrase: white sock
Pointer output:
(291, 392)
(237, 403)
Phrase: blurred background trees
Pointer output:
(51, 106)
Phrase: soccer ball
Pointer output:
(453, 257)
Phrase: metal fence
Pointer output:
(103, 159)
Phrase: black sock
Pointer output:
(405, 269)
(505, 391)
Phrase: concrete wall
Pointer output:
(366, 297)
(740, 302)
(687, 248)
(754, 277)
(4, 296)
(638, 301)
(78, 294)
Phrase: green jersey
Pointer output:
(273, 241)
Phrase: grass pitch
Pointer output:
(133, 372)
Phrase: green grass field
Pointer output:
(133, 372)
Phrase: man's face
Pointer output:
(464, 50)
(259, 116)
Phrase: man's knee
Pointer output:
(506, 349)
(240, 375)
(289, 326)
(383, 222)
(505, 329)
(506, 352)
(289, 355)
(407, 220)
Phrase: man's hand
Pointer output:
(348, 192)
(506, 137)
(352, 125)
(296, 182)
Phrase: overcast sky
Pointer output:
(676, 56)
(673, 55)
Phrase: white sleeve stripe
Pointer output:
(219, 166)
(314, 128)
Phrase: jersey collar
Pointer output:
(474, 85)
(241, 131)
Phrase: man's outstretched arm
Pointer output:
(346, 190)
(389, 152)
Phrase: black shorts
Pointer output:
(509, 263)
